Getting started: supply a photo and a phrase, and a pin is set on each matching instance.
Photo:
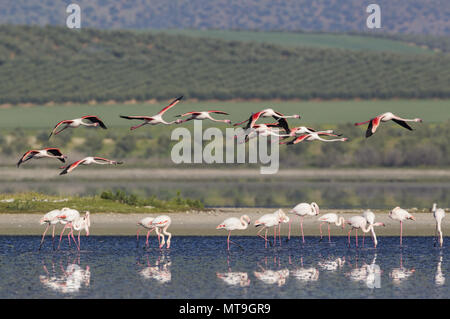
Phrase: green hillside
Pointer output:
(43, 64)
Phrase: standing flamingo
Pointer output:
(268, 220)
(82, 223)
(438, 214)
(401, 215)
(94, 121)
(234, 223)
(87, 161)
(51, 218)
(375, 122)
(202, 115)
(359, 222)
(66, 217)
(50, 152)
(146, 223)
(315, 136)
(155, 119)
(302, 210)
(330, 218)
(161, 223)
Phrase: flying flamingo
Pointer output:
(400, 214)
(88, 161)
(267, 113)
(82, 223)
(66, 217)
(94, 121)
(302, 210)
(268, 220)
(300, 130)
(51, 218)
(359, 222)
(46, 152)
(161, 223)
(438, 214)
(375, 122)
(263, 129)
(146, 223)
(330, 218)
(202, 115)
(234, 223)
(315, 136)
(155, 119)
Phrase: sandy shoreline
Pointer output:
(204, 223)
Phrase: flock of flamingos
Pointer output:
(71, 218)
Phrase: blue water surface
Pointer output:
(201, 267)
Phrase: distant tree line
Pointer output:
(392, 146)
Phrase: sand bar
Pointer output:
(204, 223)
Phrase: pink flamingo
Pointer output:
(202, 115)
(161, 223)
(330, 218)
(267, 113)
(375, 122)
(401, 215)
(302, 210)
(155, 119)
(51, 218)
(87, 161)
(234, 223)
(50, 152)
(66, 217)
(146, 223)
(438, 214)
(93, 121)
(315, 136)
(359, 222)
(82, 223)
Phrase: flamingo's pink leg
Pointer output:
(53, 237)
(356, 237)
(138, 126)
(274, 236)
(79, 243)
(71, 233)
(289, 233)
(349, 237)
(60, 237)
(279, 233)
(401, 230)
(320, 229)
(43, 236)
(329, 235)
(301, 227)
(228, 240)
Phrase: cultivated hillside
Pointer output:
(43, 64)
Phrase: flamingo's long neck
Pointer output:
(340, 221)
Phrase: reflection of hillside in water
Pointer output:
(248, 193)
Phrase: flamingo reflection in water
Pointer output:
(304, 274)
(439, 277)
(401, 273)
(271, 277)
(160, 271)
(332, 264)
(70, 280)
(367, 273)
(234, 278)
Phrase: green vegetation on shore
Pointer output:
(55, 64)
(117, 202)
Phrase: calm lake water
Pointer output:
(201, 267)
